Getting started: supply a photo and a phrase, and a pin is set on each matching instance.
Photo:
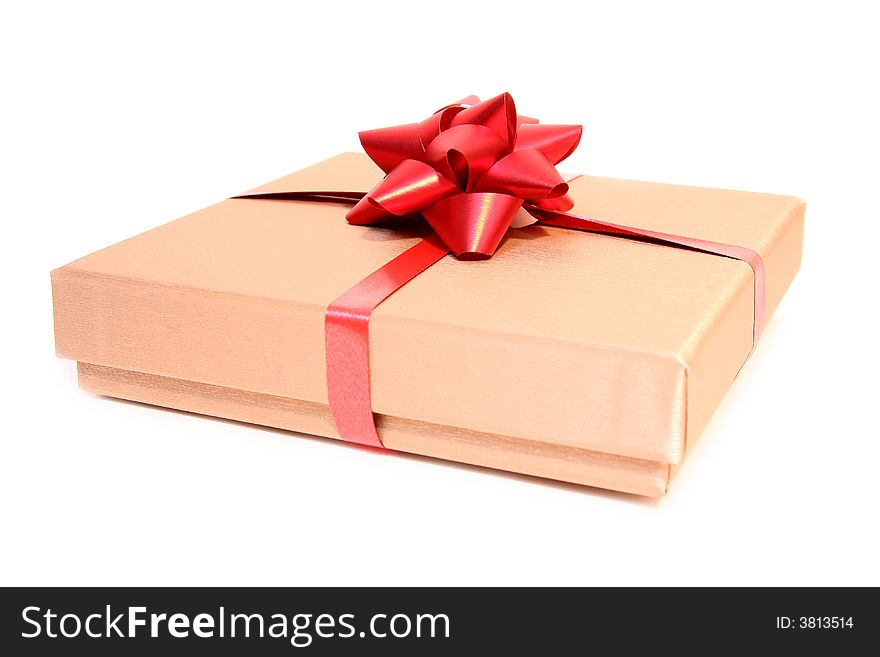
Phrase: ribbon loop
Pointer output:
(556, 142)
(411, 186)
(488, 217)
(498, 114)
(388, 147)
(526, 174)
(465, 152)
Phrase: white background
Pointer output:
(117, 118)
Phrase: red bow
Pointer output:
(468, 169)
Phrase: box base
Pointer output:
(577, 466)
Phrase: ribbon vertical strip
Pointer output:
(347, 339)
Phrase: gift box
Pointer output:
(584, 357)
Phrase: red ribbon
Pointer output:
(347, 339)
(467, 169)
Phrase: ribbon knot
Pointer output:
(468, 169)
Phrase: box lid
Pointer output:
(573, 338)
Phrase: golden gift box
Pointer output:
(581, 357)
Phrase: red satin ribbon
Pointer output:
(347, 339)
(467, 170)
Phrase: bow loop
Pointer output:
(438, 122)
(473, 240)
(556, 142)
(388, 147)
(498, 114)
(411, 186)
(527, 174)
(465, 152)
(562, 203)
